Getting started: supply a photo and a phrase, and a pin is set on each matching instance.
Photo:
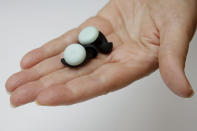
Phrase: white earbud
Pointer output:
(88, 35)
(74, 54)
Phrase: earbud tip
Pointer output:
(91, 51)
(105, 48)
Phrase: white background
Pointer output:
(146, 105)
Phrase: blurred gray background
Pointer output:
(146, 105)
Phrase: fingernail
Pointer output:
(192, 94)
(37, 103)
(13, 106)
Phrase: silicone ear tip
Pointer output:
(91, 51)
(105, 47)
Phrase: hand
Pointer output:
(147, 34)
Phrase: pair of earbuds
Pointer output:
(91, 41)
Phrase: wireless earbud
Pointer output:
(90, 35)
(76, 54)
(91, 41)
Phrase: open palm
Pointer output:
(145, 37)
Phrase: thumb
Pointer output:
(172, 55)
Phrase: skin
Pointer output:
(147, 35)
